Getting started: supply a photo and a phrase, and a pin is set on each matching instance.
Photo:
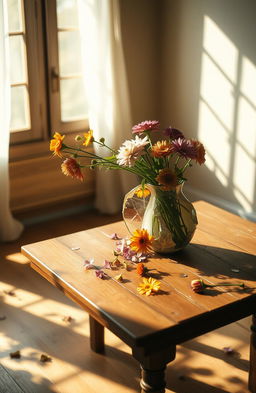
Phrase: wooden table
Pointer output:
(223, 250)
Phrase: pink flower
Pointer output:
(89, 264)
(114, 236)
(147, 125)
(124, 249)
(197, 286)
(100, 274)
(107, 265)
(173, 133)
(184, 147)
(70, 167)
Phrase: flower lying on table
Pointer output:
(141, 269)
(198, 286)
(149, 286)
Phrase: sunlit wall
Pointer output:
(209, 67)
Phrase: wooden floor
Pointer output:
(35, 319)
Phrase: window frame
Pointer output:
(32, 16)
(57, 125)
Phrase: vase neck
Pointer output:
(177, 189)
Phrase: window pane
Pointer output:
(67, 13)
(17, 59)
(69, 52)
(14, 15)
(20, 108)
(73, 103)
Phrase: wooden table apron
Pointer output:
(222, 250)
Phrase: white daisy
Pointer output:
(131, 150)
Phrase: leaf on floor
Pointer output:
(228, 350)
(10, 292)
(67, 318)
(15, 355)
(45, 358)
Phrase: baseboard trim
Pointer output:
(196, 194)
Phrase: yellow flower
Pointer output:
(161, 149)
(148, 286)
(167, 179)
(56, 144)
(141, 241)
(142, 192)
(88, 138)
(119, 278)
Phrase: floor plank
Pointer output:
(41, 320)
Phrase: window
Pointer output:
(47, 93)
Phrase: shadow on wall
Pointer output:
(218, 39)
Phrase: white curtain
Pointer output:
(10, 229)
(107, 92)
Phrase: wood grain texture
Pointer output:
(7, 383)
(34, 325)
(216, 255)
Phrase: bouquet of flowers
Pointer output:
(159, 157)
(162, 163)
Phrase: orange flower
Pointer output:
(161, 149)
(141, 241)
(141, 269)
(167, 179)
(56, 144)
(142, 192)
(148, 286)
(88, 138)
(70, 167)
(200, 151)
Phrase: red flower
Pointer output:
(173, 133)
(200, 151)
(198, 286)
(70, 167)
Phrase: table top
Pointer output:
(223, 250)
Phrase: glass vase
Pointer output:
(167, 215)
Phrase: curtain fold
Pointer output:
(10, 229)
(107, 91)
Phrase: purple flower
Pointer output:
(147, 125)
(107, 265)
(124, 249)
(184, 147)
(114, 236)
(173, 133)
(100, 274)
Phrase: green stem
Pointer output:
(224, 285)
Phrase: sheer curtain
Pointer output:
(107, 92)
(10, 229)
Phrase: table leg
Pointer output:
(96, 335)
(252, 370)
(153, 367)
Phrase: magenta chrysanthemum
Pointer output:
(184, 147)
(147, 125)
(173, 133)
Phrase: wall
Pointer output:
(141, 30)
(208, 80)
